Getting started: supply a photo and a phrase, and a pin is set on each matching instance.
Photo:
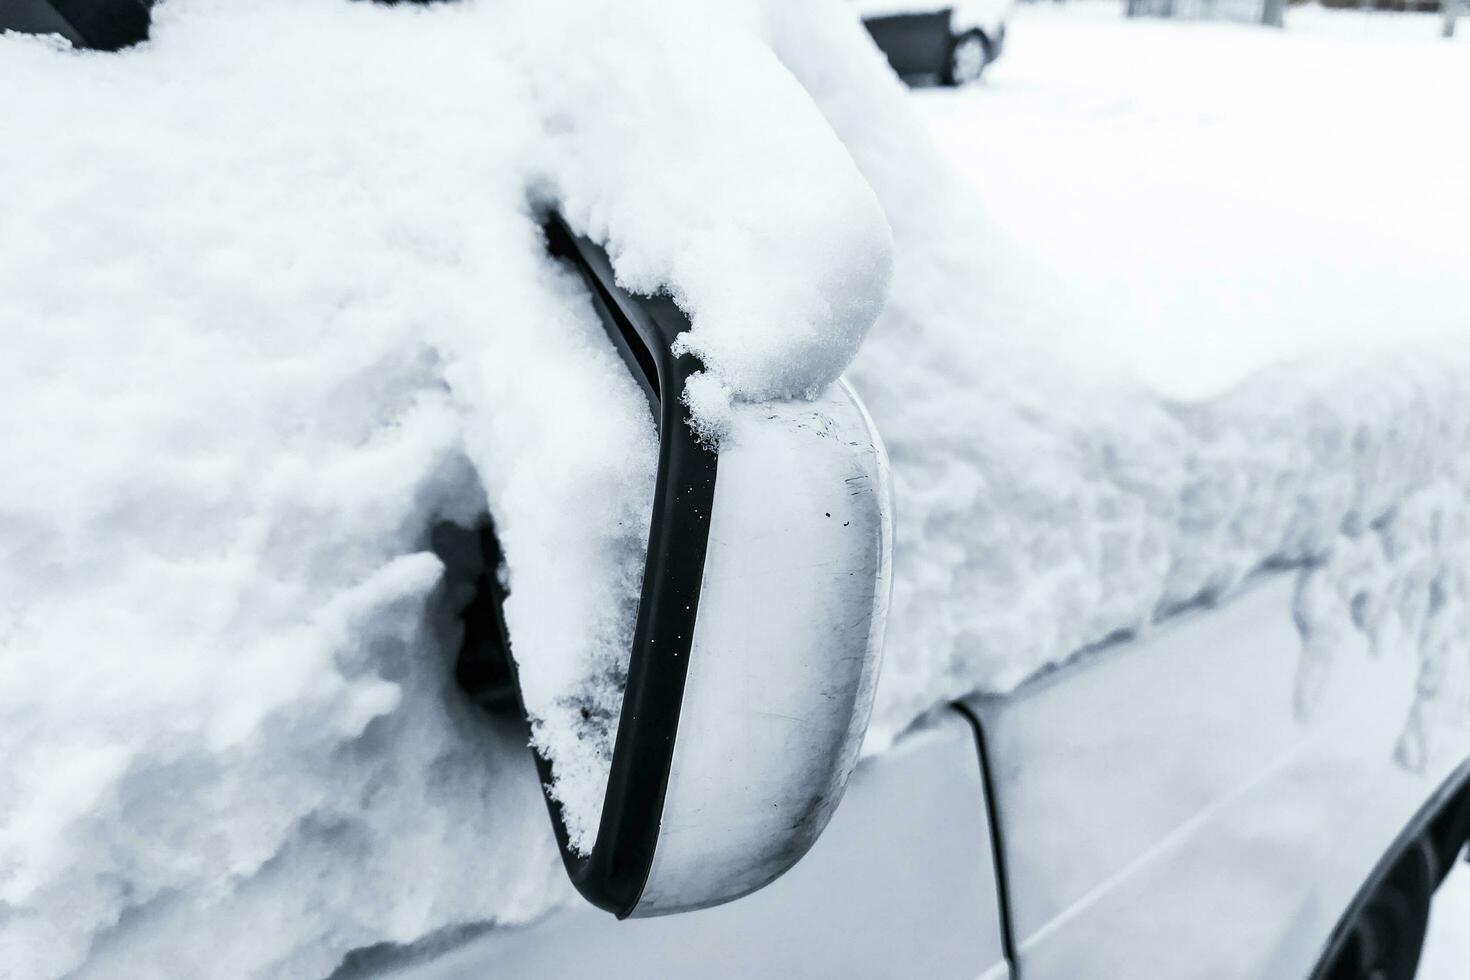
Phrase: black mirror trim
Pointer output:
(612, 876)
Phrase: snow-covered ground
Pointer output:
(1228, 196)
(1167, 302)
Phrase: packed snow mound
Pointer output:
(273, 304)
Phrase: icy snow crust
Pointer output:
(272, 304)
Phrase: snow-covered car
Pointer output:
(925, 40)
(1156, 809)
(364, 420)
(1190, 802)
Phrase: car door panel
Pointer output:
(900, 885)
(1168, 808)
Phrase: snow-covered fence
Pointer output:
(1239, 11)
(1273, 12)
(1391, 6)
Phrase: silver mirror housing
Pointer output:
(758, 636)
(786, 649)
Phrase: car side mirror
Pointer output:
(758, 634)
(759, 627)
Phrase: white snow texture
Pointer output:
(273, 303)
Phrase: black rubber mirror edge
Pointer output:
(613, 873)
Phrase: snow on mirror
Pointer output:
(757, 640)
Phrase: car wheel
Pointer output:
(968, 57)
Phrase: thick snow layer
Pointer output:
(1200, 321)
(734, 195)
(272, 304)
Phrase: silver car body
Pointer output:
(1160, 807)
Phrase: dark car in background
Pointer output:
(949, 43)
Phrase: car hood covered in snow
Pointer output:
(273, 303)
